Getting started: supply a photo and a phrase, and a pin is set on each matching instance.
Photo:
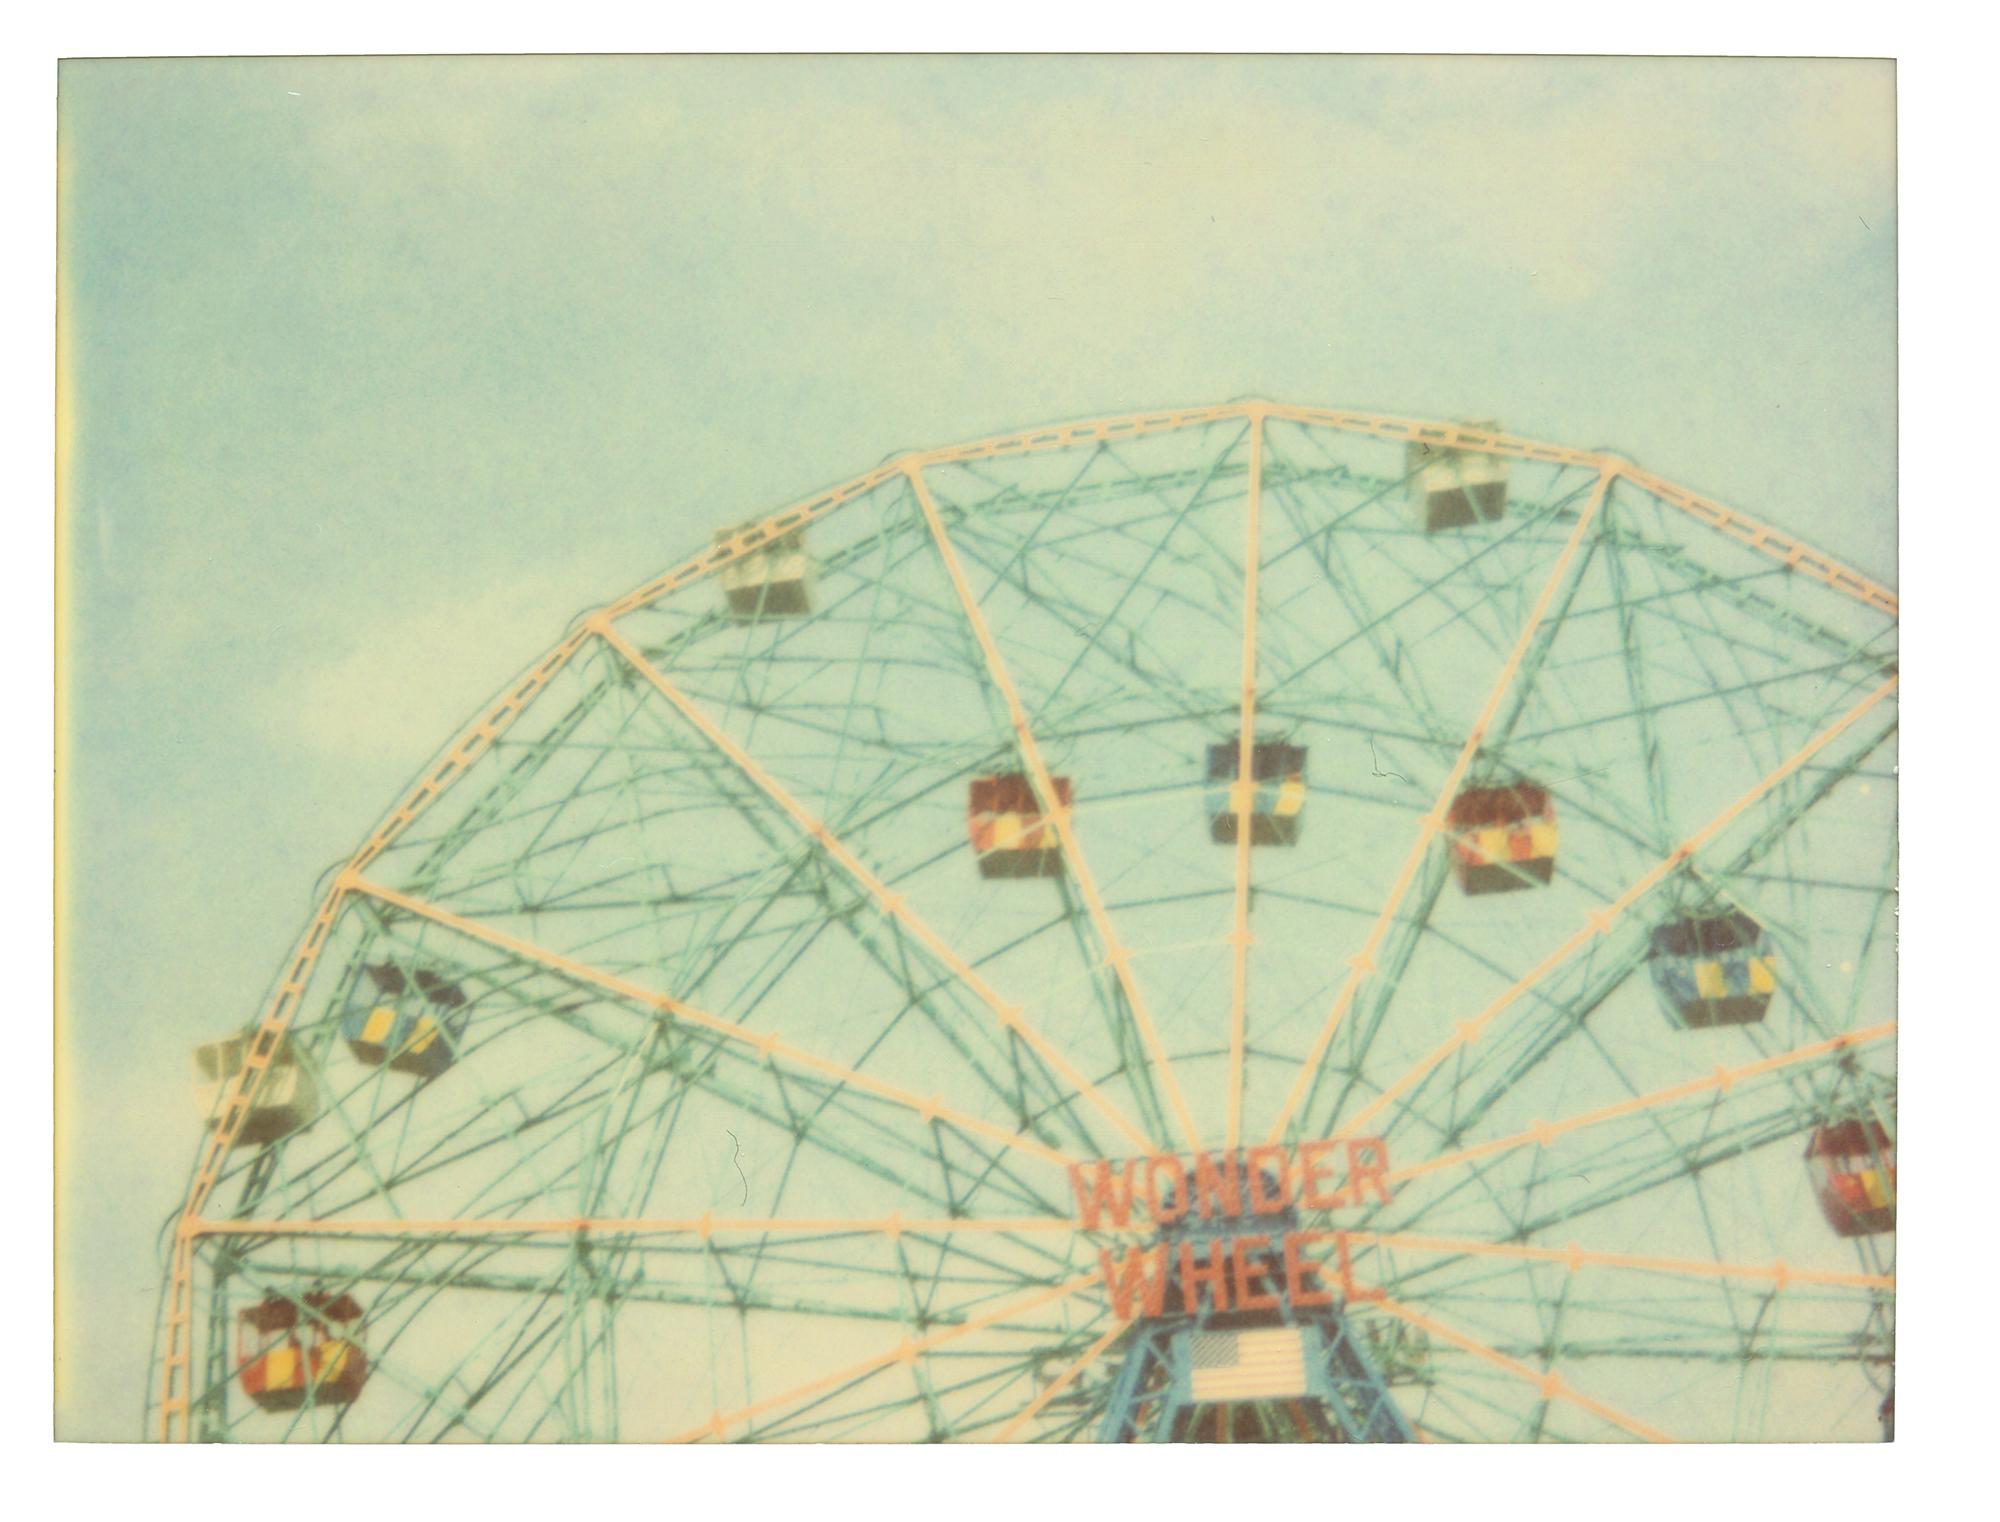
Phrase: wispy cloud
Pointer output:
(397, 675)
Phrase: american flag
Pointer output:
(1254, 1365)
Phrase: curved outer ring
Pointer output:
(497, 717)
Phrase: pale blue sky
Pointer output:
(381, 371)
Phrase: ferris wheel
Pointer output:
(1246, 923)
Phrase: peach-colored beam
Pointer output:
(175, 1374)
(704, 1226)
(1782, 547)
(1441, 435)
(1060, 1383)
(1576, 1258)
(1243, 795)
(1721, 1080)
(1054, 809)
(480, 736)
(1551, 1384)
(750, 538)
(767, 1046)
(813, 508)
(1765, 540)
(1600, 923)
(1069, 435)
(1796, 555)
(1433, 823)
(896, 905)
(906, 1352)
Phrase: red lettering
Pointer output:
(1300, 1270)
(1263, 1180)
(1215, 1276)
(1142, 1277)
(1311, 1174)
(1168, 1189)
(1368, 1163)
(1248, 1274)
(1107, 1190)
(1216, 1191)
(1347, 1285)
(1177, 1205)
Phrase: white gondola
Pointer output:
(1453, 487)
(772, 580)
(287, 1100)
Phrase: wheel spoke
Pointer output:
(771, 1111)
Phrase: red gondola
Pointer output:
(1503, 837)
(281, 1372)
(1005, 820)
(1853, 1167)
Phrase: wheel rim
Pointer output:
(761, 1098)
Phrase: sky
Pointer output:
(377, 372)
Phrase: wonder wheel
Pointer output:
(1254, 922)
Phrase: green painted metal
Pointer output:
(604, 837)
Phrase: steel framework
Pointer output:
(760, 1118)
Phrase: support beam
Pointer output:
(1060, 1383)
(1433, 824)
(703, 1226)
(1600, 922)
(767, 1046)
(1116, 953)
(904, 1352)
(895, 905)
(1576, 1259)
(1552, 1385)
(1243, 795)
(1721, 1080)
